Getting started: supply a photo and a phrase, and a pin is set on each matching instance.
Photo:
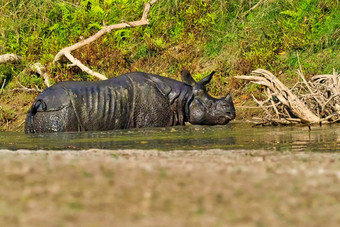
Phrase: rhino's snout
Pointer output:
(29, 123)
(231, 115)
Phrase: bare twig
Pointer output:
(300, 73)
(252, 8)
(273, 104)
(287, 113)
(23, 88)
(3, 85)
(329, 100)
(298, 57)
(20, 124)
(106, 29)
(251, 107)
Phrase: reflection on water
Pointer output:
(232, 136)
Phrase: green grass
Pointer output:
(197, 35)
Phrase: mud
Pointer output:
(173, 188)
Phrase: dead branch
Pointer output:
(285, 96)
(9, 58)
(83, 67)
(106, 29)
(42, 71)
(319, 96)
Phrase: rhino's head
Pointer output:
(204, 109)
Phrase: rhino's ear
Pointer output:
(187, 78)
(228, 97)
(206, 79)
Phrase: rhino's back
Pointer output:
(102, 105)
(160, 101)
(82, 106)
(128, 101)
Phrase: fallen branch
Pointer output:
(76, 62)
(9, 58)
(106, 29)
(308, 102)
(285, 96)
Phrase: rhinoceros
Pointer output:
(132, 100)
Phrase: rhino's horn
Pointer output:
(228, 97)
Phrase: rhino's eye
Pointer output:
(222, 107)
(225, 104)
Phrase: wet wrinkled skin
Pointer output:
(132, 100)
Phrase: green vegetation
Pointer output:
(6, 115)
(230, 37)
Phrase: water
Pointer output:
(230, 137)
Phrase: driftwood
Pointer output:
(66, 52)
(308, 102)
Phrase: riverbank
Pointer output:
(229, 37)
(175, 188)
(13, 109)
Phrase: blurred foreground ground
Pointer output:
(176, 188)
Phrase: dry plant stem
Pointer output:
(9, 58)
(106, 29)
(41, 70)
(300, 73)
(26, 89)
(264, 108)
(273, 104)
(251, 107)
(287, 113)
(252, 8)
(3, 85)
(23, 88)
(332, 84)
(285, 96)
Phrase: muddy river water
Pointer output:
(232, 175)
(229, 137)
